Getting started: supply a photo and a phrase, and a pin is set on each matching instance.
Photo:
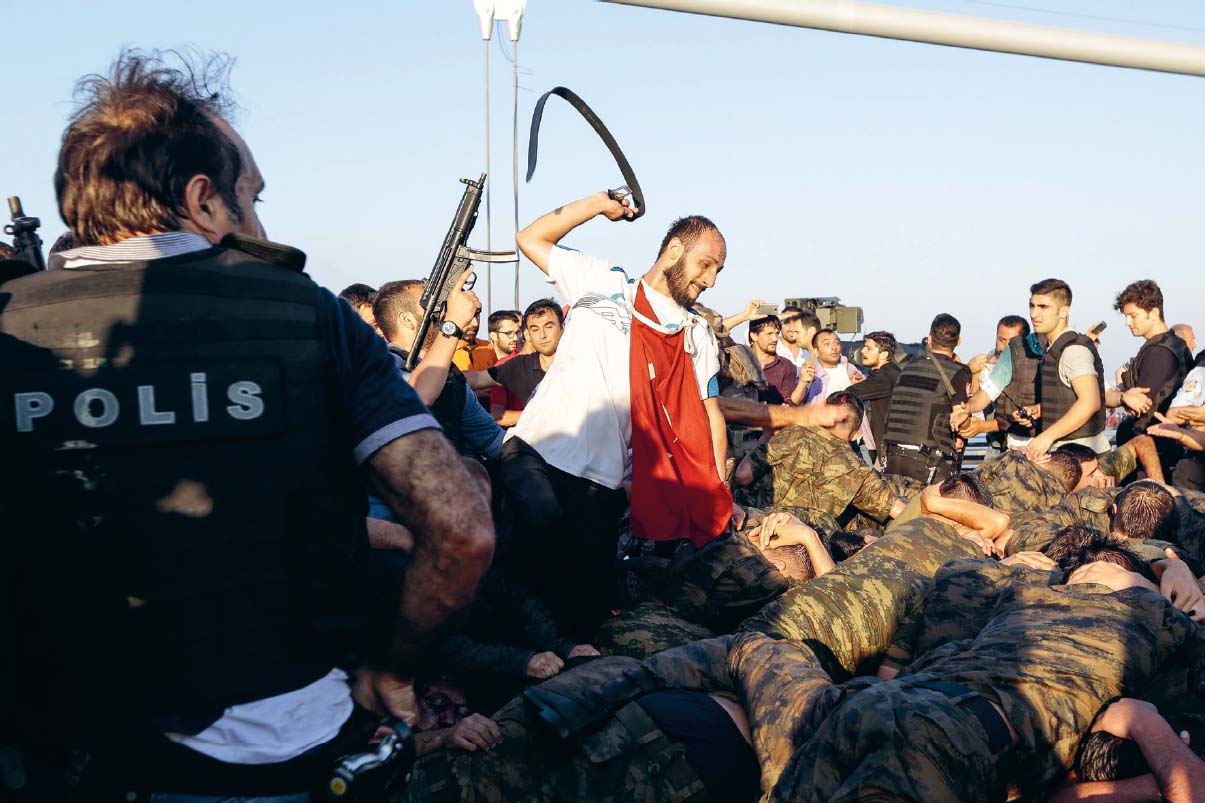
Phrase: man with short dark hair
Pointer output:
(184, 615)
(1156, 372)
(781, 376)
(919, 441)
(504, 329)
(878, 357)
(834, 371)
(439, 383)
(1071, 384)
(543, 324)
(360, 297)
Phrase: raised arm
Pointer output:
(536, 241)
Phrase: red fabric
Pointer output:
(500, 395)
(676, 492)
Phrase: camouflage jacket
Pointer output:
(1018, 484)
(807, 467)
(1052, 656)
(850, 615)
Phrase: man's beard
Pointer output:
(679, 287)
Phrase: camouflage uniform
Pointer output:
(645, 631)
(1118, 463)
(1087, 507)
(1048, 658)
(809, 468)
(849, 616)
(1018, 484)
(613, 760)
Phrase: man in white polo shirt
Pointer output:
(565, 462)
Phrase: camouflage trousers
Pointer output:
(645, 631)
(894, 741)
(625, 758)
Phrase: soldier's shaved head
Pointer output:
(1105, 757)
(793, 561)
(1066, 467)
(1076, 546)
(965, 487)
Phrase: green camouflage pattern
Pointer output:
(849, 616)
(645, 631)
(1118, 463)
(894, 741)
(1087, 507)
(809, 468)
(957, 606)
(1018, 484)
(723, 583)
(1049, 657)
(533, 764)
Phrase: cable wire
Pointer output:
(515, 161)
(489, 273)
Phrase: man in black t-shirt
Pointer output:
(543, 323)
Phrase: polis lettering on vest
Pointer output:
(97, 408)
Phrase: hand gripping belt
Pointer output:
(533, 142)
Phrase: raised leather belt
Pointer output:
(632, 186)
(999, 737)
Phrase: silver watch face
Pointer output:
(448, 328)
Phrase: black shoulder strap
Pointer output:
(941, 370)
(629, 176)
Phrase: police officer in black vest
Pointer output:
(919, 440)
(187, 423)
(1156, 371)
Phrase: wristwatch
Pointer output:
(450, 329)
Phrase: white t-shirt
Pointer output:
(580, 417)
(783, 350)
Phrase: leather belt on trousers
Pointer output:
(629, 176)
(998, 735)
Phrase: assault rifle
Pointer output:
(24, 231)
(453, 261)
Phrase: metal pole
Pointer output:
(489, 269)
(954, 30)
(515, 156)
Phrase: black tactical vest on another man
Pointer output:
(920, 405)
(1161, 397)
(185, 509)
(1022, 390)
(1056, 398)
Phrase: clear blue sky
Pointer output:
(907, 178)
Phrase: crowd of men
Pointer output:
(612, 552)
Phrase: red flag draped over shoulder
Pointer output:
(676, 492)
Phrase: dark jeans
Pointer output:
(566, 535)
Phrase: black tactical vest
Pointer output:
(1161, 398)
(920, 405)
(448, 408)
(1022, 389)
(1056, 398)
(187, 511)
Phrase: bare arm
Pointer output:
(1087, 402)
(415, 475)
(536, 241)
(1177, 769)
(504, 417)
(749, 413)
(481, 380)
(431, 372)
(719, 434)
(1132, 790)
(990, 523)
